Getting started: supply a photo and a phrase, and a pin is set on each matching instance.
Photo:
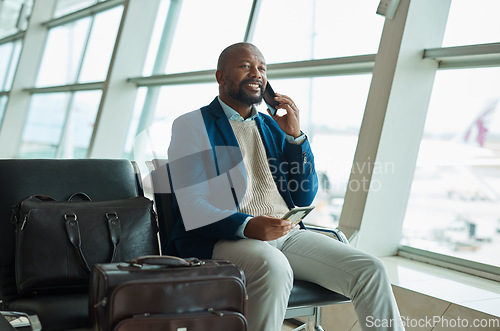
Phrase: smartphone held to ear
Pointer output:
(269, 99)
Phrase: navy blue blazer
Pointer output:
(204, 149)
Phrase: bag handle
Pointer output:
(73, 232)
(80, 194)
(115, 232)
(165, 261)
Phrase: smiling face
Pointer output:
(241, 74)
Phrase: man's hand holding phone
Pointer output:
(288, 122)
(297, 214)
(267, 228)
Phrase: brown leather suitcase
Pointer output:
(168, 293)
(188, 321)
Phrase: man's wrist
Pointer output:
(241, 230)
(297, 141)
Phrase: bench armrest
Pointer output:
(334, 233)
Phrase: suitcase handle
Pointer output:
(165, 261)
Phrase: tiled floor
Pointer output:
(287, 327)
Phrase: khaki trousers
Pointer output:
(270, 268)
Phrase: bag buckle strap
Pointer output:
(73, 232)
(114, 226)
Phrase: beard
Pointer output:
(240, 94)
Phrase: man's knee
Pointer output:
(374, 264)
(372, 271)
(275, 270)
(263, 264)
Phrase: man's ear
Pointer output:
(219, 75)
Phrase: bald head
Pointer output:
(241, 74)
(229, 51)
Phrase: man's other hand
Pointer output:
(267, 228)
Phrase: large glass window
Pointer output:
(80, 51)
(64, 7)
(14, 16)
(80, 125)
(203, 30)
(60, 125)
(155, 42)
(9, 56)
(453, 205)
(44, 125)
(303, 30)
(172, 101)
(3, 104)
(100, 47)
(473, 22)
(63, 54)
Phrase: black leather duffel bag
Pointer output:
(57, 242)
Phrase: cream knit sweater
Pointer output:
(261, 196)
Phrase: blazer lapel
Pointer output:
(225, 147)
